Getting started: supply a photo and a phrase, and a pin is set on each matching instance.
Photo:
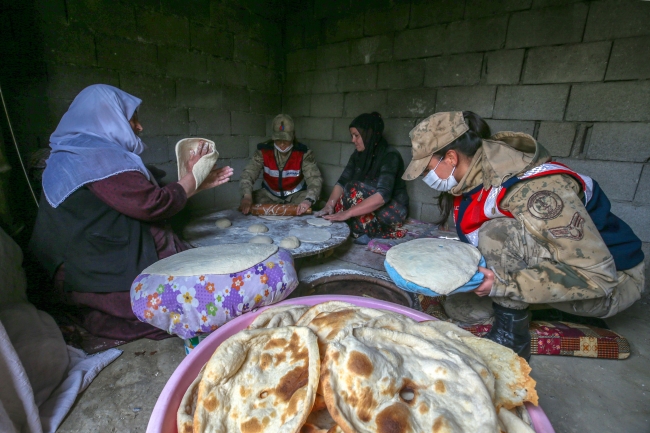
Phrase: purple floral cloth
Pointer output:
(189, 306)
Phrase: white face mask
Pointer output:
(285, 150)
(443, 185)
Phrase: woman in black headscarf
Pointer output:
(370, 194)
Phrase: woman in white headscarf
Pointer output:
(103, 218)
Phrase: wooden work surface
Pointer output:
(202, 232)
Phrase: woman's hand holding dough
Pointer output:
(245, 204)
(486, 286)
(327, 210)
(339, 216)
(201, 150)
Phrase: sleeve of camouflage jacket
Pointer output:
(580, 267)
(251, 173)
(312, 176)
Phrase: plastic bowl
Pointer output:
(163, 417)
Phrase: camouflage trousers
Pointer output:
(262, 196)
(508, 248)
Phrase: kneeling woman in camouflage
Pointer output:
(290, 174)
(546, 232)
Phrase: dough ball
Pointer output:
(223, 223)
(260, 240)
(290, 242)
(258, 228)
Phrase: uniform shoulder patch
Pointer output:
(545, 205)
(573, 231)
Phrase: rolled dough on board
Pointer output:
(260, 239)
(310, 234)
(258, 228)
(202, 168)
(442, 265)
(218, 259)
(319, 222)
(276, 217)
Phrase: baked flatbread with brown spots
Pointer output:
(276, 317)
(380, 381)
(185, 414)
(262, 380)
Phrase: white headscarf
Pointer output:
(93, 141)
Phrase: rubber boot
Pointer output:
(511, 329)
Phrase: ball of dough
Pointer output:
(290, 242)
(260, 240)
(223, 223)
(258, 228)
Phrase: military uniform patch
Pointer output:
(545, 205)
(574, 231)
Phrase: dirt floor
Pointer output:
(578, 394)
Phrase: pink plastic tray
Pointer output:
(163, 417)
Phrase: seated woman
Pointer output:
(370, 194)
(103, 218)
(546, 232)
(290, 172)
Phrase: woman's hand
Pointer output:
(327, 210)
(486, 286)
(245, 204)
(202, 150)
(302, 207)
(340, 216)
(218, 176)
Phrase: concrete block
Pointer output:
(191, 93)
(51, 11)
(397, 131)
(237, 164)
(610, 102)
(511, 125)
(382, 21)
(616, 187)
(333, 55)
(343, 28)
(629, 59)
(223, 71)
(179, 62)
(401, 75)
(421, 192)
(61, 44)
(66, 81)
(635, 216)
(253, 142)
(566, 64)
(484, 8)
(247, 123)
(264, 29)
(232, 146)
(263, 79)
(326, 152)
(504, 66)
(226, 196)
(561, 25)
(103, 16)
(643, 189)
(207, 121)
(125, 55)
(407, 154)
(610, 19)
(355, 78)
(314, 128)
(620, 142)
(250, 50)
(329, 8)
(153, 90)
(458, 70)
(156, 151)
(162, 28)
(277, 59)
(545, 102)
(298, 83)
(371, 50)
(347, 149)
(425, 13)
(330, 173)
(557, 137)
(327, 105)
(426, 42)
(197, 11)
(203, 200)
(295, 32)
(479, 99)
(477, 35)
(235, 99)
(537, 4)
(301, 60)
(211, 40)
(231, 16)
(297, 105)
(158, 120)
(419, 102)
(265, 103)
(342, 129)
(325, 81)
(364, 102)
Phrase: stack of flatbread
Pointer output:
(336, 367)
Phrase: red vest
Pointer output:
(287, 181)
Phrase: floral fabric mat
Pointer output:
(553, 337)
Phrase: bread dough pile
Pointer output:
(223, 223)
(258, 228)
(290, 242)
(202, 168)
(261, 239)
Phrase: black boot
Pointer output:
(511, 329)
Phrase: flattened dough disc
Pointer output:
(310, 234)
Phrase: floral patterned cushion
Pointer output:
(192, 305)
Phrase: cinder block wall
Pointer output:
(202, 68)
(575, 75)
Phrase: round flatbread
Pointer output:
(263, 380)
(310, 234)
(319, 222)
(275, 217)
(185, 414)
(276, 317)
(442, 265)
(258, 228)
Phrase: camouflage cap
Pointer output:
(431, 135)
(283, 128)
